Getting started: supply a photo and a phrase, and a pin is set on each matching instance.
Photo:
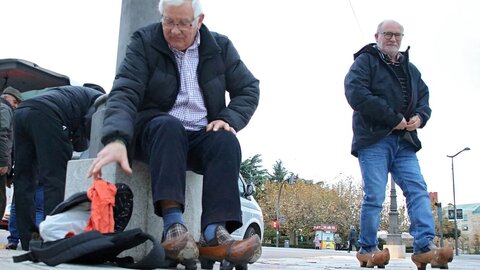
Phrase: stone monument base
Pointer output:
(396, 251)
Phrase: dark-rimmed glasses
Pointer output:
(183, 25)
(389, 35)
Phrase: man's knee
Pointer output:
(166, 121)
(164, 127)
(227, 138)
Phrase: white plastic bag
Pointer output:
(59, 225)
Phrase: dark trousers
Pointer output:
(352, 243)
(170, 151)
(40, 140)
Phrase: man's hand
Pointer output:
(3, 170)
(414, 123)
(220, 124)
(402, 125)
(115, 151)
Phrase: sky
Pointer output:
(300, 51)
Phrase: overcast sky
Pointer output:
(300, 51)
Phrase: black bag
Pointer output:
(93, 247)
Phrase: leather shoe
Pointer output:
(436, 257)
(373, 257)
(224, 247)
(11, 246)
(180, 246)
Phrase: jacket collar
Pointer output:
(372, 49)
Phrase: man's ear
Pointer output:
(200, 20)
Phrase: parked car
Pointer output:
(252, 216)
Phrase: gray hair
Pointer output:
(196, 5)
(380, 25)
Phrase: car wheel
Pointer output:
(250, 232)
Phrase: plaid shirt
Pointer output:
(189, 107)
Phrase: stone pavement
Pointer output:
(272, 258)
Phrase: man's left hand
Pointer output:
(220, 124)
(414, 123)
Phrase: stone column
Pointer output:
(394, 237)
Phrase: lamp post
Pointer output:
(290, 181)
(454, 202)
(278, 212)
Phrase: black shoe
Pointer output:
(11, 246)
(122, 211)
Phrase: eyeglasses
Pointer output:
(389, 35)
(183, 25)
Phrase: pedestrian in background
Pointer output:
(9, 101)
(352, 238)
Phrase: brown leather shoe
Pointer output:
(436, 257)
(224, 247)
(378, 258)
(180, 246)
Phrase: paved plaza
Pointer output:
(272, 258)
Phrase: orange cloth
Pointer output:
(102, 196)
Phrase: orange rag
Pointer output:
(102, 196)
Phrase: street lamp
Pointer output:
(290, 181)
(454, 202)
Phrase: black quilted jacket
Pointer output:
(147, 83)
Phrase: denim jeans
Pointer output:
(396, 156)
(14, 237)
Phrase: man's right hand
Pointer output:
(3, 170)
(115, 151)
(402, 125)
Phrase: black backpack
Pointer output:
(93, 247)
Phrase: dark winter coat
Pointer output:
(148, 82)
(374, 92)
(352, 235)
(73, 106)
(6, 133)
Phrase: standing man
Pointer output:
(167, 107)
(352, 239)
(390, 102)
(9, 100)
(48, 128)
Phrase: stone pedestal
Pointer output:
(395, 246)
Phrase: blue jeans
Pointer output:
(396, 156)
(14, 237)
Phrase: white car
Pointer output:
(252, 216)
